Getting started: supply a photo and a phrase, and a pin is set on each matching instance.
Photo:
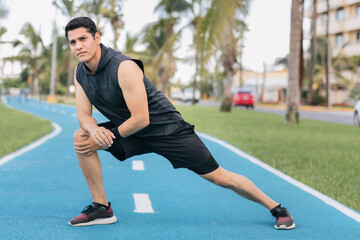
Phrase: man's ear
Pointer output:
(97, 37)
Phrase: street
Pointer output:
(335, 116)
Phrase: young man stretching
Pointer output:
(142, 120)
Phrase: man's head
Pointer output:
(79, 22)
(84, 40)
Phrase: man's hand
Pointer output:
(102, 136)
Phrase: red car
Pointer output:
(243, 98)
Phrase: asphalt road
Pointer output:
(339, 117)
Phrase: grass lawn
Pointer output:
(322, 155)
(18, 129)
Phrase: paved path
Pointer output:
(43, 188)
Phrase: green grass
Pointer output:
(18, 129)
(323, 155)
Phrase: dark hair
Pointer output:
(79, 22)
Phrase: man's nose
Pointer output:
(78, 45)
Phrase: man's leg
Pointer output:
(100, 212)
(91, 168)
(241, 185)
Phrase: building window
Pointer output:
(358, 11)
(358, 37)
(321, 20)
(340, 15)
(339, 40)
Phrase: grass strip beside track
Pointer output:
(324, 156)
(18, 129)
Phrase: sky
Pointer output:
(266, 40)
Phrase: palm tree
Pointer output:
(165, 38)
(68, 8)
(94, 8)
(159, 52)
(222, 28)
(293, 91)
(313, 49)
(112, 11)
(31, 54)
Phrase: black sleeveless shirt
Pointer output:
(104, 92)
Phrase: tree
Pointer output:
(164, 33)
(31, 54)
(223, 28)
(112, 11)
(327, 54)
(95, 9)
(293, 89)
(313, 50)
(68, 9)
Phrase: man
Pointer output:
(142, 120)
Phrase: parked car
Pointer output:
(356, 117)
(243, 98)
(176, 94)
(189, 93)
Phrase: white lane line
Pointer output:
(74, 115)
(138, 165)
(63, 111)
(53, 109)
(326, 199)
(142, 203)
(11, 156)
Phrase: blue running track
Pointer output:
(41, 189)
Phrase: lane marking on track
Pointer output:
(11, 156)
(142, 203)
(63, 111)
(138, 165)
(53, 109)
(326, 199)
(74, 115)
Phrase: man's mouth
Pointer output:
(81, 54)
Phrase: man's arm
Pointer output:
(131, 82)
(87, 122)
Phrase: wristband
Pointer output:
(115, 131)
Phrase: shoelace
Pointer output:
(279, 212)
(89, 209)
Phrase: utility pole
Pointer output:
(53, 60)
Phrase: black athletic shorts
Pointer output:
(184, 149)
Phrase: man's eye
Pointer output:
(83, 38)
(72, 42)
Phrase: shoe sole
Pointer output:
(96, 222)
(284, 227)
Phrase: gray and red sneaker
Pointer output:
(94, 214)
(283, 219)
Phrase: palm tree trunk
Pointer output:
(228, 62)
(293, 91)
(116, 34)
(69, 74)
(313, 50)
(327, 56)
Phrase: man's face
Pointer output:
(83, 45)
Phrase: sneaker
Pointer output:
(283, 219)
(94, 214)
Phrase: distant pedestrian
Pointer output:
(142, 120)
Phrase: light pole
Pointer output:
(51, 97)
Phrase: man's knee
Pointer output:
(220, 177)
(80, 135)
